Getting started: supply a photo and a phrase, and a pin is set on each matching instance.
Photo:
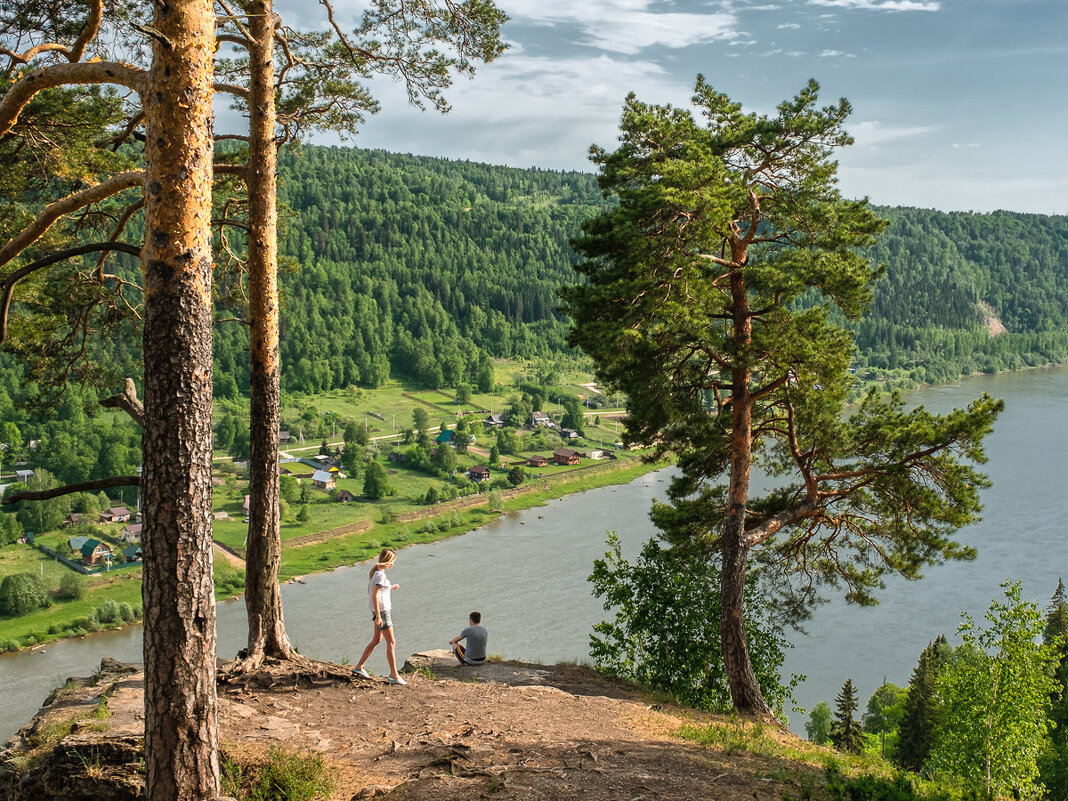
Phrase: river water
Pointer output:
(527, 572)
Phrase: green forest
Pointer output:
(424, 269)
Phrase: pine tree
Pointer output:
(1053, 763)
(915, 735)
(846, 734)
(692, 306)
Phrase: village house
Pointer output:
(131, 533)
(323, 480)
(537, 461)
(75, 544)
(566, 456)
(478, 473)
(446, 435)
(94, 552)
(23, 475)
(569, 433)
(73, 518)
(344, 496)
(495, 420)
(132, 553)
(116, 514)
(541, 419)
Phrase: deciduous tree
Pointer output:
(994, 701)
(707, 301)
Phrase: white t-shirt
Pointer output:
(378, 579)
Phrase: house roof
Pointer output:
(76, 543)
(321, 475)
(115, 511)
(91, 545)
(133, 528)
(446, 435)
(479, 470)
(567, 453)
(132, 552)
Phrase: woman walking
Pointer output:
(378, 590)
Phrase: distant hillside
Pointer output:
(968, 292)
(418, 265)
(424, 267)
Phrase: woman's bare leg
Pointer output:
(391, 655)
(376, 637)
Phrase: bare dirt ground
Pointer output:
(504, 730)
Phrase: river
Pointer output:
(526, 572)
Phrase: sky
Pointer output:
(958, 105)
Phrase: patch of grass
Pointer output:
(285, 776)
(427, 672)
(48, 737)
(101, 712)
(737, 736)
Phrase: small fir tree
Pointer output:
(918, 722)
(846, 734)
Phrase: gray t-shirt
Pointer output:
(475, 637)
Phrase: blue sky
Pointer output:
(958, 104)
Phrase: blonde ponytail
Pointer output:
(385, 559)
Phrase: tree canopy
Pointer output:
(707, 300)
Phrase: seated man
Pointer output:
(476, 636)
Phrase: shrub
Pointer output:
(21, 593)
(108, 612)
(71, 587)
(126, 612)
(9, 646)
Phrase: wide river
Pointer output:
(527, 573)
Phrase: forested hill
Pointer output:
(425, 267)
(419, 265)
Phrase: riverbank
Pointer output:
(320, 552)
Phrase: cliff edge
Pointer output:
(507, 730)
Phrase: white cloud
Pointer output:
(872, 133)
(788, 26)
(626, 26)
(964, 145)
(880, 5)
(834, 53)
(526, 111)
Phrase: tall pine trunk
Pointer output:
(745, 690)
(263, 598)
(181, 738)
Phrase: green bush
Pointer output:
(126, 612)
(108, 612)
(683, 658)
(21, 593)
(71, 587)
(9, 646)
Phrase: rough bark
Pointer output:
(263, 597)
(745, 690)
(181, 737)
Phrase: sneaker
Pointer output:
(361, 673)
(397, 680)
